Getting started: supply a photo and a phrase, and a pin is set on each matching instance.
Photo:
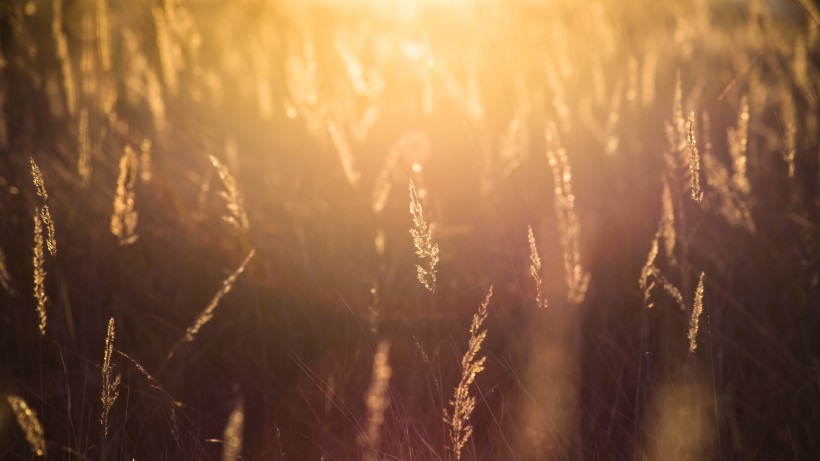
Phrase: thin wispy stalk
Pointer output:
(668, 231)
(5, 277)
(535, 270)
(110, 384)
(697, 310)
(39, 273)
(463, 402)
(84, 148)
(208, 313)
(651, 276)
(646, 280)
(28, 422)
(426, 248)
(377, 401)
(61, 53)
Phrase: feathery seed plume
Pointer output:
(535, 269)
(234, 201)
(426, 248)
(697, 309)
(694, 161)
(463, 403)
(124, 217)
(39, 273)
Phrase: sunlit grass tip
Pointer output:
(463, 403)
(28, 422)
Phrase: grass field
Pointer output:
(433, 230)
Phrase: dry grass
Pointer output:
(426, 247)
(697, 310)
(332, 107)
(232, 436)
(535, 270)
(28, 422)
(237, 216)
(463, 401)
(110, 383)
(124, 217)
(576, 277)
(377, 401)
(208, 313)
(694, 160)
(40, 273)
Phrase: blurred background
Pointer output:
(311, 119)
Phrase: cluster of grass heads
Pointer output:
(637, 183)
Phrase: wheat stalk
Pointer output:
(110, 386)
(426, 248)
(39, 272)
(232, 436)
(535, 270)
(463, 403)
(377, 400)
(28, 422)
(124, 217)
(238, 217)
(697, 309)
